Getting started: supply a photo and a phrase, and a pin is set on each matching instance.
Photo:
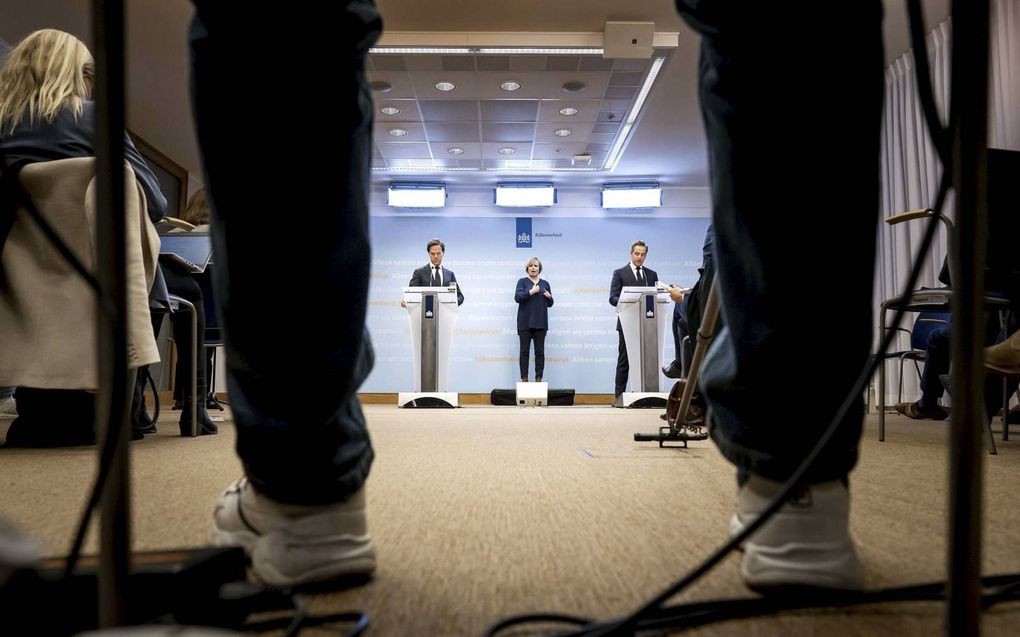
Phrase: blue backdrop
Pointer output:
(488, 255)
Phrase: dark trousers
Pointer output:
(180, 283)
(770, 134)
(679, 328)
(315, 450)
(622, 366)
(526, 337)
(936, 363)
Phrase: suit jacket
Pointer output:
(624, 277)
(422, 277)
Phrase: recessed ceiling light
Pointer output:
(380, 87)
(510, 86)
(397, 132)
(445, 86)
(506, 150)
(559, 132)
(568, 111)
(454, 150)
(574, 86)
(393, 110)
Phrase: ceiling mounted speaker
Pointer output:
(628, 39)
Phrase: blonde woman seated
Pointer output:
(534, 298)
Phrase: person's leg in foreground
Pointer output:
(289, 199)
(793, 117)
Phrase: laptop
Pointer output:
(193, 251)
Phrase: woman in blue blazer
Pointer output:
(534, 298)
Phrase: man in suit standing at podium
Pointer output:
(434, 274)
(634, 274)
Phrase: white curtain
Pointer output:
(910, 166)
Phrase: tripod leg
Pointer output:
(706, 331)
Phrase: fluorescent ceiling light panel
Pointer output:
(631, 196)
(525, 195)
(617, 150)
(416, 195)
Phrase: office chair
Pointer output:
(924, 324)
(213, 336)
(175, 303)
(930, 300)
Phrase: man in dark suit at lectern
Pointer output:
(634, 274)
(434, 274)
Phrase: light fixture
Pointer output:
(455, 150)
(389, 110)
(631, 196)
(414, 194)
(617, 148)
(445, 86)
(485, 50)
(507, 150)
(568, 111)
(574, 86)
(582, 159)
(397, 132)
(380, 87)
(562, 132)
(525, 194)
(510, 85)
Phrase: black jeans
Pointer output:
(306, 162)
(526, 337)
(797, 138)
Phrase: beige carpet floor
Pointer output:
(484, 512)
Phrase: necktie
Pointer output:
(640, 275)
(436, 277)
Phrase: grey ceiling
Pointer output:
(480, 126)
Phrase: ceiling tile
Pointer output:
(408, 110)
(595, 63)
(610, 128)
(562, 62)
(611, 116)
(400, 84)
(595, 85)
(621, 92)
(491, 150)
(404, 151)
(587, 110)
(452, 132)
(508, 132)
(579, 132)
(625, 79)
(449, 110)
(509, 110)
(458, 63)
(558, 151)
(424, 84)
(527, 63)
(388, 63)
(472, 150)
(415, 132)
(493, 62)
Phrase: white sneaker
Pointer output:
(292, 545)
(8, 408)
(805, 544)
